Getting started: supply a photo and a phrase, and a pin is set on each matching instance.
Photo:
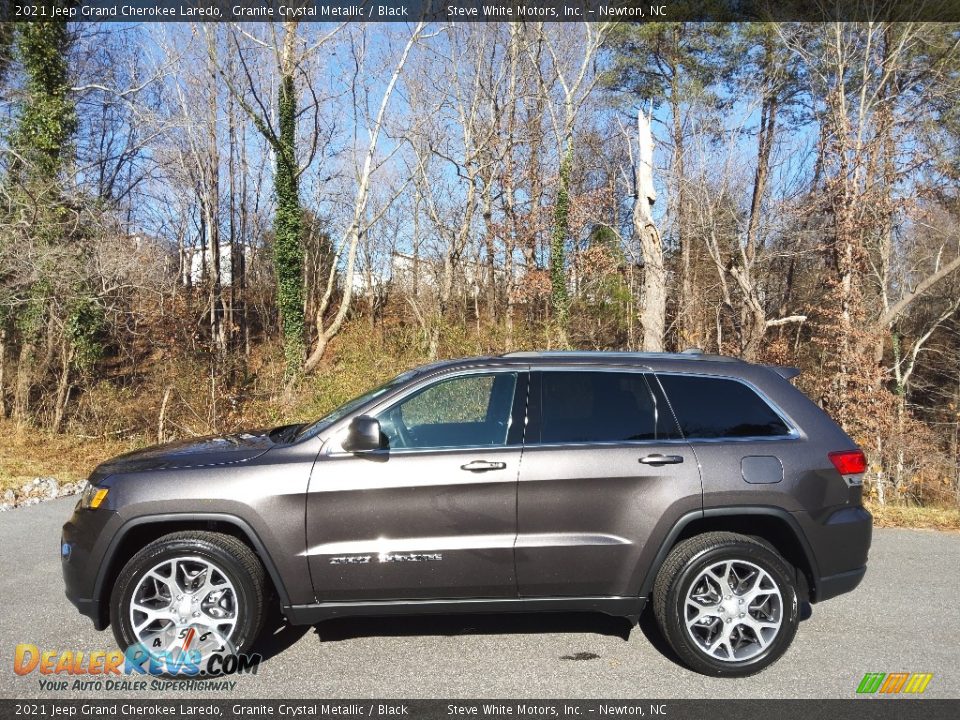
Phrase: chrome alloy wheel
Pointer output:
(733, 610)
(184, 604)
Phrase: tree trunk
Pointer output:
(881, 475)
(687, 330)
(3, 372)
(162, 419)
(185, 261)
(24, 382)
(955, 441)
(755, 317)
(211, 181)
(232, 324)
(63, 387)
(491, 297)
(559, 300)
(654, 312)
(898, 476)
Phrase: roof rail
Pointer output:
(691, 354)
(692, 351)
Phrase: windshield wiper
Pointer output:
(284, 433)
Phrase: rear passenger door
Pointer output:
(603, 467)
(739, 436)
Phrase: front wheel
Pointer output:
(187, 596)
(726, 603)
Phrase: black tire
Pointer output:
(233, 557)
(682, 568)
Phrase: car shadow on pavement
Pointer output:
(472, 624)
(278, 635)
(648, 626)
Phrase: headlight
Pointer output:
(92, 497)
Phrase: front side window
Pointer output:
(709, 407)
(586, 407)
(464, 411)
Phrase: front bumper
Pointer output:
(83, 545)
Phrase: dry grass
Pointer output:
(908, 516)
(27, 453)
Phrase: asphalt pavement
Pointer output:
(904, 617)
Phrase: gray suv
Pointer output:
(707, 487)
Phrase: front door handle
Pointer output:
(658, 459)
(482, 466)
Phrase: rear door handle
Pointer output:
(658, 459)
(483, 466)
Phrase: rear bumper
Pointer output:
(840, 544)
(833, 585)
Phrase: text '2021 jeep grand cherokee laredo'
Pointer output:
(526, 482)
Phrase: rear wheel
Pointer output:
(189, 595)
(726, 603)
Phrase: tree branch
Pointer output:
(899, 307)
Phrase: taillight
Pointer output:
(852, 464)
(849, 462)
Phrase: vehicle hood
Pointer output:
(195, 452)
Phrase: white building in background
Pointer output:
(226, 266)
(406, 271)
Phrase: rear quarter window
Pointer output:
(709, 407)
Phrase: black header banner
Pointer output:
(199, 707)
(478, 10)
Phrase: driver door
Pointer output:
(433, 515)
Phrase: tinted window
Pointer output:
(716, 408)
(600, 407)
(464, 411)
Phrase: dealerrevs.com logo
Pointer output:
(112, 669)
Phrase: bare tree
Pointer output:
(358, 224)
(653, 313)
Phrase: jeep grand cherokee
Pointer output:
(709, 488)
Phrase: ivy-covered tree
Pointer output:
(288, 246)
(6, 47)
(46, 119)
(40, 146)
(574, 75)
(288, 224)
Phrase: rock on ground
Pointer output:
(38, 490)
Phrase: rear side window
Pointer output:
(583, 407)
(718, 408)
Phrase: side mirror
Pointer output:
(363, 435)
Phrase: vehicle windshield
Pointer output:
(312, 429)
